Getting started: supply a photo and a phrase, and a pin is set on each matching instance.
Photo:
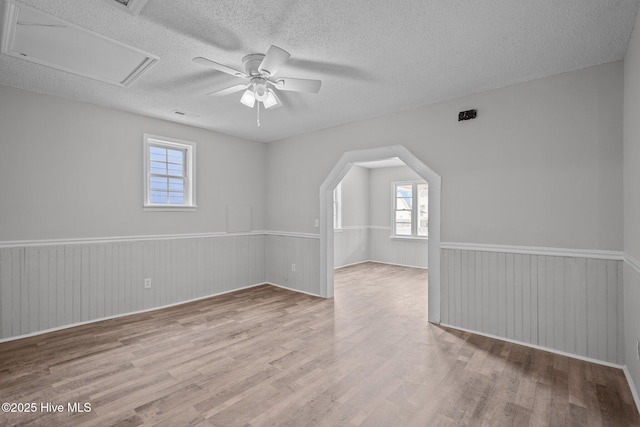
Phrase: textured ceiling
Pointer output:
(374, 57)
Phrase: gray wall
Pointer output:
(632, 206)
(356, 194)
(540, 166)
(351, 242)
(70, 170)
(380, 194)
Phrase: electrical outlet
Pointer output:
(147, 283)
(317, 223)
(293, 267)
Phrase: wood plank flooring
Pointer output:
(271, 357)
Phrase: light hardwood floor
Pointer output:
(268, 356)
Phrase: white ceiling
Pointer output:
(374, 57)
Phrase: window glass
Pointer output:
(169, 176)
(411, 207)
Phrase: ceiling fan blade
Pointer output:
(208, 63)
(229, 90)
(272, 61)
(298, 85)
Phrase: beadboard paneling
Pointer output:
(351, 246)
(570, 304)
(282, 251)
(407, 252)
(44, 287)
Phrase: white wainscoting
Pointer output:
(353, 245)
(406, 252)
(47, 286)
(286, 249)
(571, 303)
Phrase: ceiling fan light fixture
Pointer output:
(260, 90)
(248, 98)
(271, 100)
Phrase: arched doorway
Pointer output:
(338, 172)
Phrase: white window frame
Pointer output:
(189, 176)
(337, 207)
(414, 211)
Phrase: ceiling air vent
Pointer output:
(134, 6)
(35, 36)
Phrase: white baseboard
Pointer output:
(538, 347)
(349, 265)
(380, 262)
(292, 289)
(632, 386)
(115, 316)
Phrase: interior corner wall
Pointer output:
(366, 223)
(540, 167)
(632, 207)
(382, 248)
(351, 241)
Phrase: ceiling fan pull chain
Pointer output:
(258, 107)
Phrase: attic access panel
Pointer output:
(38, 37)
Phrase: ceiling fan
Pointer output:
(260, 70)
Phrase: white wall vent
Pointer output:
(38, 37)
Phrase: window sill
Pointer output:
(168, 208)
(337, 230)
(415, 238)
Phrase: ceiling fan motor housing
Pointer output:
(252, 63)
(259, 88)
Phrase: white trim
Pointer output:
(381, 262)
(534, 250)
(632, 386)
(632, 262)
(292, 290)
(338, 172)
(423, 239)
(349, 265)
(115, 316)
(337, 207)
(189, 191)
(119, 239)
(169, 208)
(415, 215)
(537, 347)
(365, 227)
(288, 234)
